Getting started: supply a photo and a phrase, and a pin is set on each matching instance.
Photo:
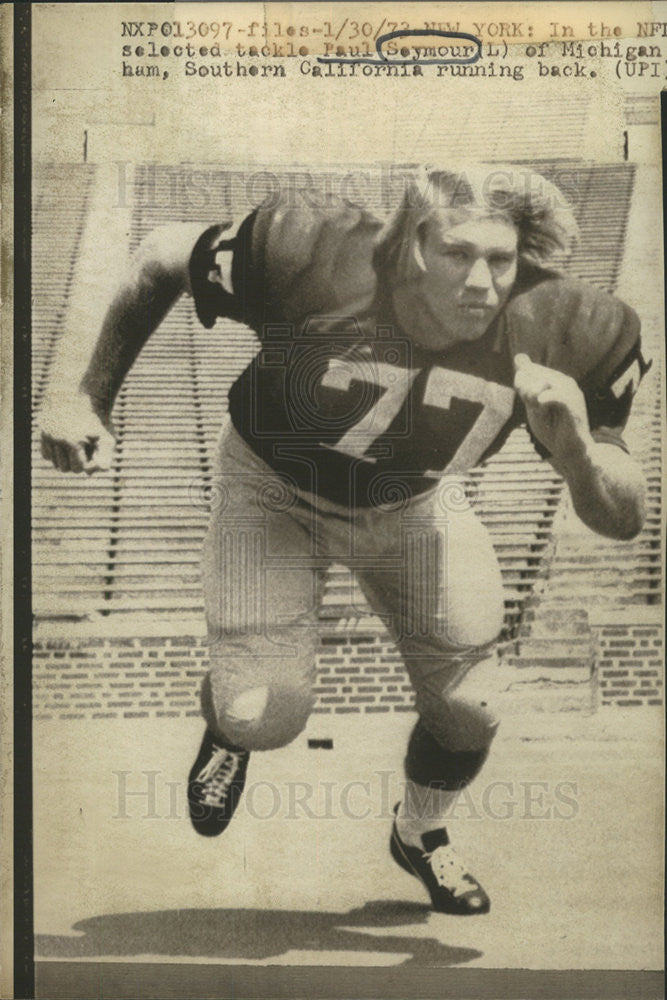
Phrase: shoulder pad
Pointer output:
(571, 326)
(315, 253)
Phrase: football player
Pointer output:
(394, 355)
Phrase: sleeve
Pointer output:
(590, 335)
(313, 255)
(609, 402)
(211, 298)
(295, 256)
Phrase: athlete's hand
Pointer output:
(73, 436)
(555, 407)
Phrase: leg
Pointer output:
(262, 588)
(445, 612)
(455, 672)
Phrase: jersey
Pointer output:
(338, 397)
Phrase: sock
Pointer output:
(423, 809)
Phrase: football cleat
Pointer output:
(215, 785)
(451, 887)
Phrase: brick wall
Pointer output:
(361, 673)
(630, 664)
(154, 676)
(112, 677)
(92, 676)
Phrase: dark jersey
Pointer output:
(339, 399)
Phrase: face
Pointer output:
(470, 266)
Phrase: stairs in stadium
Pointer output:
(602, 214)
(59, 212)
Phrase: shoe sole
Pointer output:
(401, 859)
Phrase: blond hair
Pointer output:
(543, 217)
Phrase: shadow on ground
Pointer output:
(256, 934)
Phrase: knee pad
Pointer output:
(431, 764)
(260, 718)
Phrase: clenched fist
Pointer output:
(74, 437)
(555, 406)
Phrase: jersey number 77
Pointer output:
(494, 406)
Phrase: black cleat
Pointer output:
(215, 785)
(451, 887)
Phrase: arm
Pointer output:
(607, 486)
(87, 373)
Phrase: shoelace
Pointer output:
(449, 870)
(218, 775)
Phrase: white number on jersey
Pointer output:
(396, 383)
(443, 386)
(631, 376)
(497, 404)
